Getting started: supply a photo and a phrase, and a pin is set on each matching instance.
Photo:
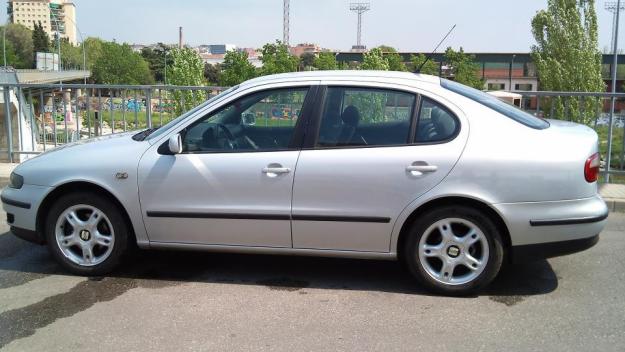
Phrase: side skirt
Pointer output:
(273, 251)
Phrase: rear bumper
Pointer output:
(530, 252)
(534, 223)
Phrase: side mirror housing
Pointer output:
(175, 144)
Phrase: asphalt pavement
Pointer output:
(177, 301)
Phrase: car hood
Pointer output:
(81, 160)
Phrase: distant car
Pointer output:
(378, 165)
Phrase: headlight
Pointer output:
(16, 181)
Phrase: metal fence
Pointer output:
(38, 117)
(592, 109)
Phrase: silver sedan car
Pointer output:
(371, 165)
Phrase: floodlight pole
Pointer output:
(613, 99)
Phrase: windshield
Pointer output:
(501, 107)
(159, 131)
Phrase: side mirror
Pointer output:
(175, 144)
(249, 119)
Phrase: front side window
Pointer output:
(365, 117)
(261, 121)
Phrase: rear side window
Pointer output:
(488, 100)
(365, 117)
(436, 123)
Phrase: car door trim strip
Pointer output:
(196, 215)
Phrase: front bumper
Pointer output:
(21, 205)
(549, 229)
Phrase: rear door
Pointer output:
(371, 152)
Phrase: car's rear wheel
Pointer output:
(86, 233)
(454, 250)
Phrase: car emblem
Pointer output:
(453, 251)
(85, 235)
(121, 175)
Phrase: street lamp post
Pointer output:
(58, 38)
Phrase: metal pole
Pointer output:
(4, 43)
(7, 115)
(613, 100)
(148, 107)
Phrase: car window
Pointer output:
(159, 131)
(262, 121)
(436, 123)
(492, 102)
(365, 117)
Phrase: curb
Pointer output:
(615, 205)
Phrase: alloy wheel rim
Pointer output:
(453, 251)
(85, 235)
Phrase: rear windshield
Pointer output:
(501, 107)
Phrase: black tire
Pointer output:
(411, 253)
(122, 233)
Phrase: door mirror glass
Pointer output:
(175, 144)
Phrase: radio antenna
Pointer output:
(433, 52)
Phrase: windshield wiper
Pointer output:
(144, 134)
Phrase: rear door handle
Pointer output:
(275, 169)
(419, 168)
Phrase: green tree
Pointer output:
(12, 59)
(41, 40)
(118, 64)
(395, 62)
(156, 59)
(326, 61)
(464, 69)
(392, 57)
(567, 56)
(277, 59)
(236, 68)
(307, 60)
(187, 69)
(429, 68)
(212, 73)
(21, 39)
(71, 55)
(374, 60)
(93, 49)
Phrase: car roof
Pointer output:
(350, 75)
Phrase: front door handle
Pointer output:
(276, 170)
(420, 167)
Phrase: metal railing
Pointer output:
(43, 116)
(592, 109)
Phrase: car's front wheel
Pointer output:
(86, 233)
(454, 250)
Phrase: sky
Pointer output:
(408, 25)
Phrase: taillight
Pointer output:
(591, 168)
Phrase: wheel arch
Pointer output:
(454, 200)
(74, 187)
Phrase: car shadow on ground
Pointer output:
(21, 261)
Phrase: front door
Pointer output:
(232, 184)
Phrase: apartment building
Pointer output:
(56, 16)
